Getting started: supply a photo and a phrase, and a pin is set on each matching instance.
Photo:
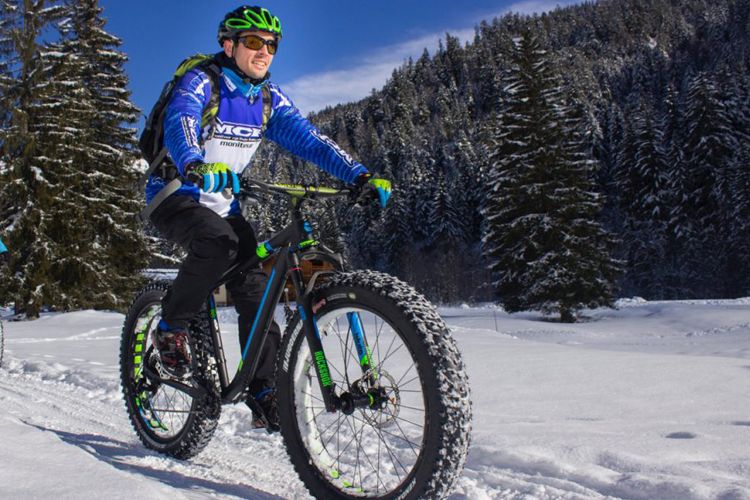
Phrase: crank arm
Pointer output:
(194, 391)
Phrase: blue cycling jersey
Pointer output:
(3, 248)
(235, 134)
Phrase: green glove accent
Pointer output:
(383, 188)
(213, 177)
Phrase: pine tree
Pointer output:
(643, 183)
(545, 246)
(708, 146)
(81, 247)
(26, 192)
(114, 250)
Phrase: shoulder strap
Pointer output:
(213, 70)
(266, 97)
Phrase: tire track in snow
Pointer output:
(248, 464)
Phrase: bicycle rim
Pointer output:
(370, 452)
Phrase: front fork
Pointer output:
(331, 400)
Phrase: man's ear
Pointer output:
(228, 47)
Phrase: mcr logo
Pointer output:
(236, 131)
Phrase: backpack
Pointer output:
(151, 142)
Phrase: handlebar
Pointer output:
(295, 191)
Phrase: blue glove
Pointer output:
(213, 177)
(4, 254)
(366, 183)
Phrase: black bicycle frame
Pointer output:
(288, 245)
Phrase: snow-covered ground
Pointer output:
(650, 401)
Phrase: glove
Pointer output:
(212, 177)
(367, 185)
(4, 254)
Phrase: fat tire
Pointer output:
(201, 424)
(446, 388)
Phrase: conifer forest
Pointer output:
(552, 163)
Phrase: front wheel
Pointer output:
(410, 440)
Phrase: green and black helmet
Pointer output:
(248, 18)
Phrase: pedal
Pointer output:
(261, 419)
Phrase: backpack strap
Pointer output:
(265, 94)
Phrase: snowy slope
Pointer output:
(648, 401)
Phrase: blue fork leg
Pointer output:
(360, 341)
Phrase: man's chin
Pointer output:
(256, 74)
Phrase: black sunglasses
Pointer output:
(254, 42)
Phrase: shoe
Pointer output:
(265, 402)
(174, 349)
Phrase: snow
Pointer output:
(646, 401)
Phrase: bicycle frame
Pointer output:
(289, 245)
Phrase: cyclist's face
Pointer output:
(254, 63)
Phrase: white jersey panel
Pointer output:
(235, 145)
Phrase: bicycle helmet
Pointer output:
(248, 18)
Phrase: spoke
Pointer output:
(416, 454)
(359, 448)
(394, 458)
(313, 396)
(346, 349)
(408, 381)
(374, 468)
(403, 437)
(378, 473)
(338, 458)
(315, 416)
(389, 354)
(349, 349)
(343, 377)
(421, 426)
(338, 421)
(378, 332)
(411, 407)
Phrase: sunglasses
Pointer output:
(254, 42)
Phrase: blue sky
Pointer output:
(333, 51)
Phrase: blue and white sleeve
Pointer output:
(182, 123)
(292, 131)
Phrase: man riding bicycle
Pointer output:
(202, 216)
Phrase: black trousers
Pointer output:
(213, 243)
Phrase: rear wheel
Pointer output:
(409, 440)
(166, 419)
